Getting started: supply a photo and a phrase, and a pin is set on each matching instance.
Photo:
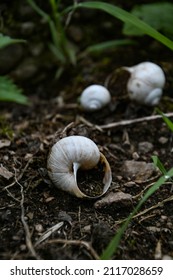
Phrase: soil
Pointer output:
(30, 205)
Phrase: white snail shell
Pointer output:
(146, 83)
(70, 154)
(95, 97)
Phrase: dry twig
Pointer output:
(25, 225)
(129, 122)
(20, 176)
(76, 243)
(159, 204)
(89, 124)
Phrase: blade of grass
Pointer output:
(168, 122)
(159, 164)
(127, 18)
(113, 245)
(108, 45)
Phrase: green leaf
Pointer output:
(6, 40)
(10, 92)
(129, 18)
(157, 15)
(168, 122)
(159, 164)
(108, 45)
(113, 245)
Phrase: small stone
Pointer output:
(115, 199)
(163, 140)
(166, 257)
(47, 200)
(135, 156)
(39, 228)
(5, 173)
(23, 247)
(153, 229)
(145, 147)
(30, 215)
(86, 229)
(130, 184)
(119, 178)
(4, 143)
(169, 225)
(139, 171)
(164, 218)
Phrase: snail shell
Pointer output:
(146, 83)
(69, 155)
(95, 97)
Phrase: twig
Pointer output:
(89, 124)
(129, 122)
(19, 177)
(66, 128)
(25, 225)
(159, 204)
(76, 243)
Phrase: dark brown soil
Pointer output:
(29, 203)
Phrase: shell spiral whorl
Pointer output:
(146, 83)
(70, 154)
(94, 97)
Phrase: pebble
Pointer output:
(139, 171)
(114, 198)
(39, 228)
(145, 147)
(163, 140)
(166, 257)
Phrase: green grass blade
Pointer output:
(168, 122)
(108, 45)
(159, 164)
(38, 10)
(127, 17)
(113, 245)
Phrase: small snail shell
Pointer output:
(70, 154)
(146, 83)
(95, 97)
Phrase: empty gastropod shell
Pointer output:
(73, 154)
(146, 83)
(95, 97)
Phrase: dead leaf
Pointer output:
(4, 143)
(5, 173)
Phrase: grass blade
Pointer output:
(108, 45)
(159, 164)
(113, 245)
(127, 17)
(168, 122)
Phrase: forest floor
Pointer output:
(29, 204)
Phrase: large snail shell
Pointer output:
(69, 155)
(146, 83)
(94, 98)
